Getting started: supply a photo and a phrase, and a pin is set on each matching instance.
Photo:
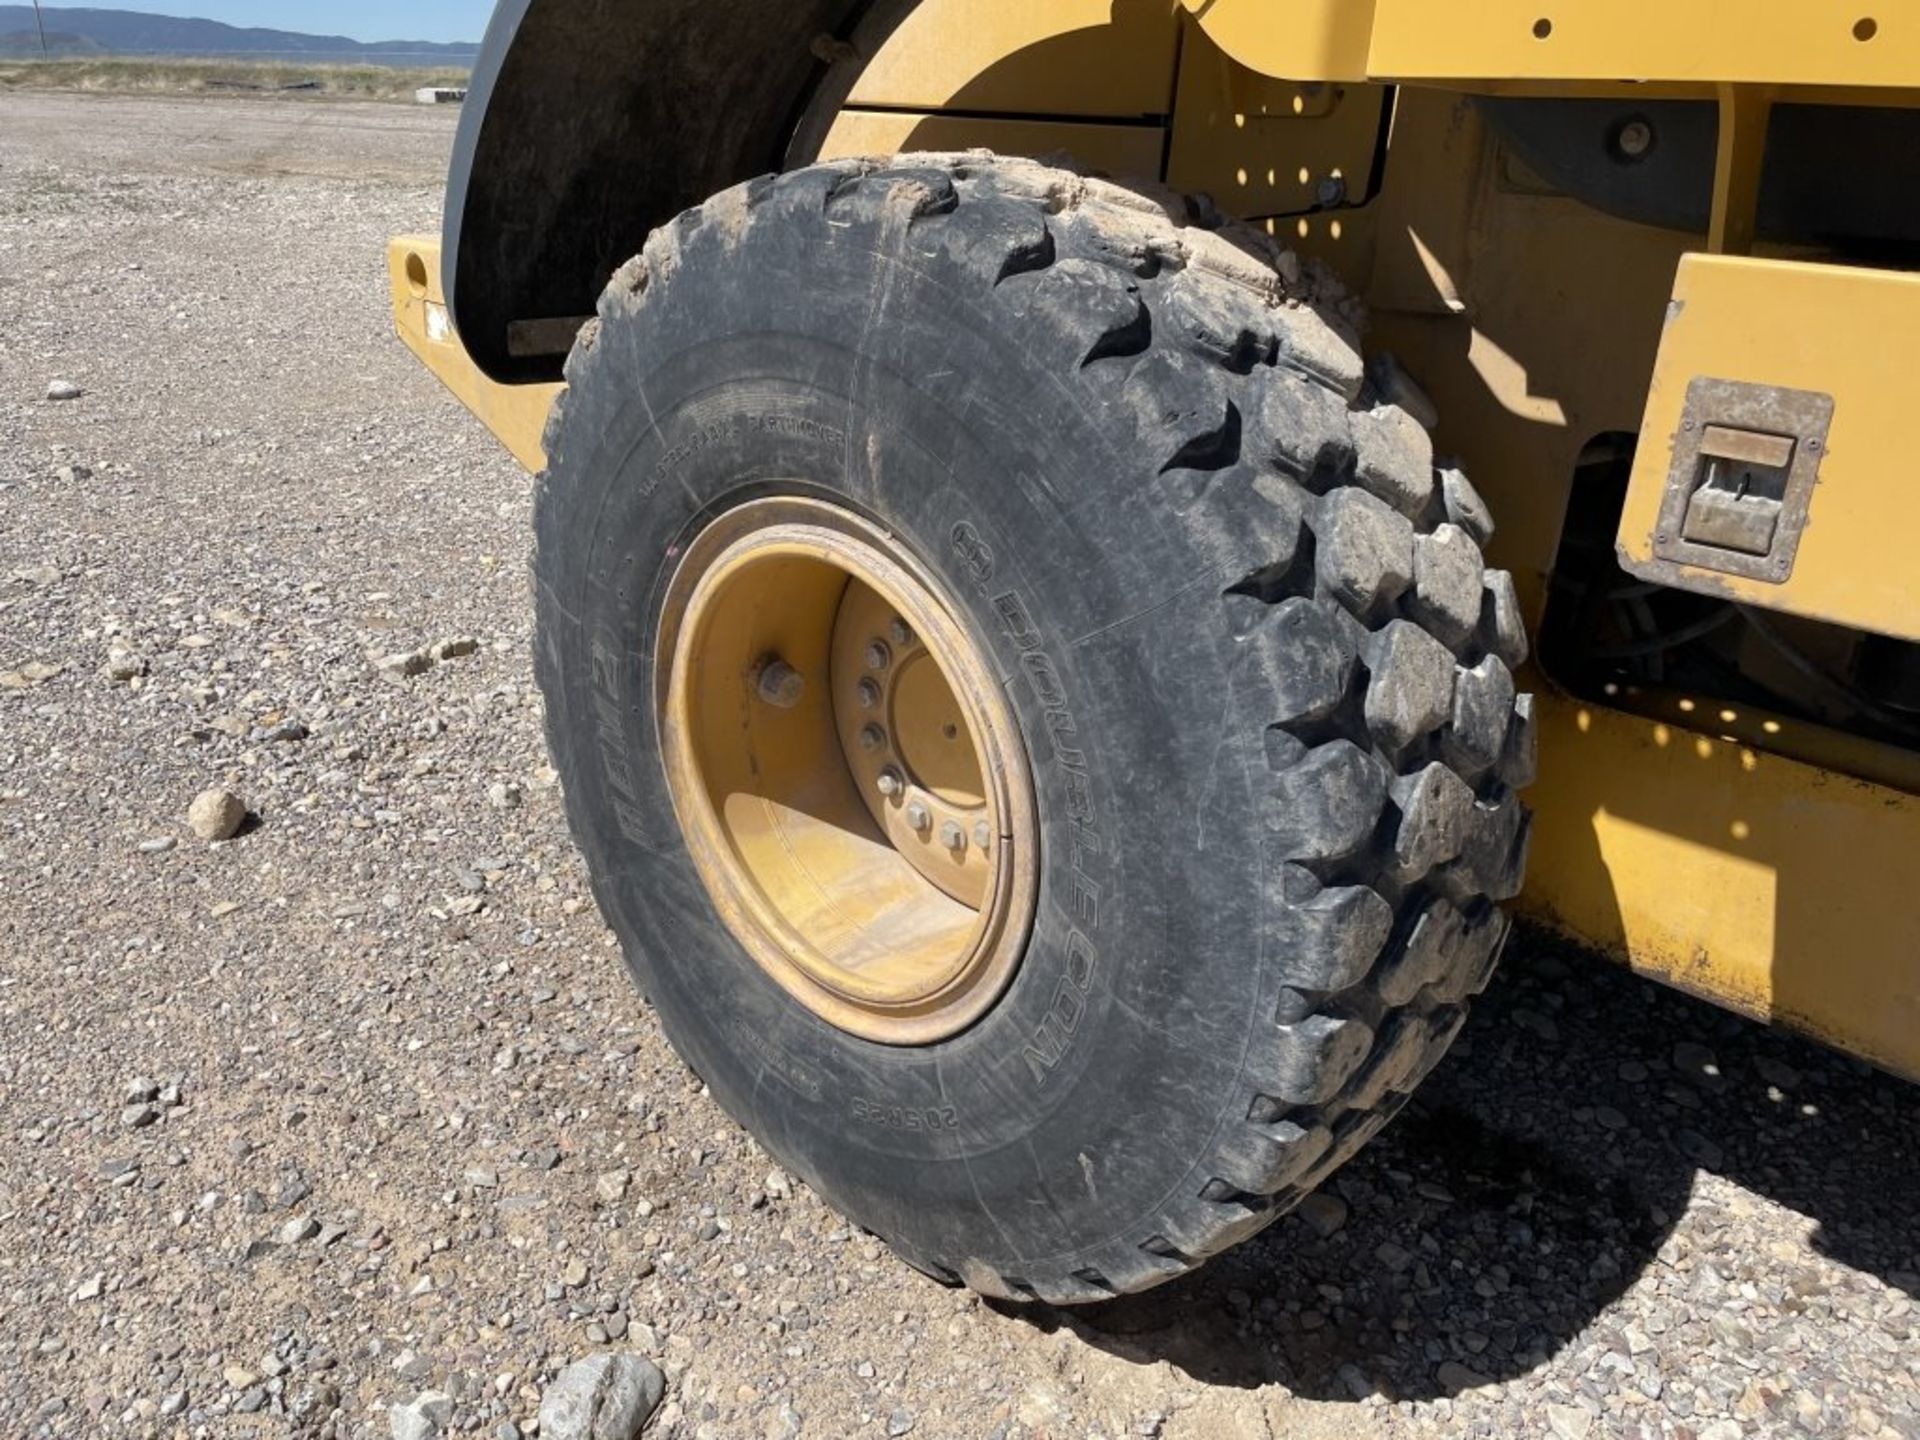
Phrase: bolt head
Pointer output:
(918, 816)
(868, 693)
(900, 633)
(1636, 139)
(982, 834)
(872, 738)
(952, 836)
(1331, 191)
(879, 656)
(780, 685)
(890, 782)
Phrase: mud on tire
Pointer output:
(1263, 677)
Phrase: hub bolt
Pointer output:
(901, 633)
(1636, 139)
(869, 694)
(878, 655)
(918, 816)
(890, 782)
(872, 738)
(952, 836)
(780, 685)
(982, 834)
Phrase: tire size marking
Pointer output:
(1053, 1037)
(905, 1117)
(786, 1066)
(610, 738)
(726, 429)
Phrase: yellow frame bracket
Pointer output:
(517, 414)
(1739, 162)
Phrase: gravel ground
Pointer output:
(360, 1103)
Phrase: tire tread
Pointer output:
(1376, 651)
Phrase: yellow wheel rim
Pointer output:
(846, 771)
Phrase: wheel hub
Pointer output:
(846, 771)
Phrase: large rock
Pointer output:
(608, 1397)
(422, 1418)
(217, 814)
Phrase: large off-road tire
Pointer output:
(1262, 680)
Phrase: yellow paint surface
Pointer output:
(1780, 890)
(1065, 57)
(1303, 39)
(1264, 147)
(1772, 42)
(1698, 43)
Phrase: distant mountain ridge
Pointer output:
(59, 45)
(125, 32)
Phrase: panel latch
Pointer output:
(1742, 480)
(1744, 466)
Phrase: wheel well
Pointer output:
(590, 122)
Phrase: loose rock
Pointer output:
(217, 815)
(30, 676)
(422, 1418)
(405, 664)
(609, 1397)
(1568, 1422)
(1324, 1211)
(1455, 1376)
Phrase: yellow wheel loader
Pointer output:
(1037, 682)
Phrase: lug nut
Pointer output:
(890, 782)
(780, 685)
(952, 836)
(878, 655)
(872, 738)
(982, 834)
(901, 632)
(918, 817)
(869, 694)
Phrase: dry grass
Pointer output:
(223, 77)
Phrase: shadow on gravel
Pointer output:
(1528, 1186)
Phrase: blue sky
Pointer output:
(360, 19)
